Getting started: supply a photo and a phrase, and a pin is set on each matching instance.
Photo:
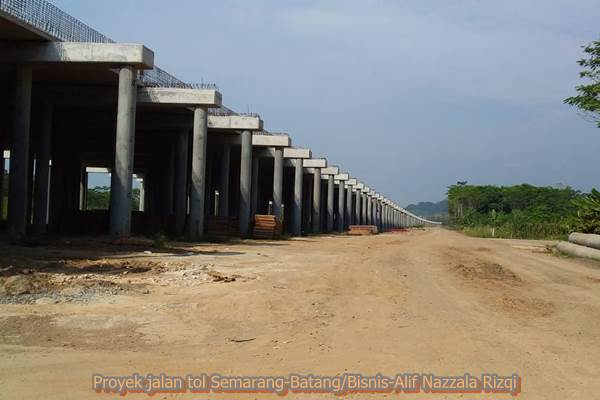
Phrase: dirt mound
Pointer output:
(487, 271)
(44, 288)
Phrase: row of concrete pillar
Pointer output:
(355, 204)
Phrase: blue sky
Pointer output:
(408, 96)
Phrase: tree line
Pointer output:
(522, 211)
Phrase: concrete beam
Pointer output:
(293, 152)
(179, 96)
(330, 171)
(235, 122)
(351, 182)
(97, 170)
(270, 140)
(266, 152)
(343, 177)
(136, 55)
(314, 163)
(359, 186)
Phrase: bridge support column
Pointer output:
(122, 174)
(348, 218)
(341, 207)
(369, 209)
(330, 194)
(19, 154)
(246, 188)
(358, 208)
(198, 178)
(363, 211)
(278, 183)
(298, 176)
(316, 220)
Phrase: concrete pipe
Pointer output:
(585, 239)
(578, 251)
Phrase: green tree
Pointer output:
(588, 97)
(521, 211)
(98, 198)
(588, 213)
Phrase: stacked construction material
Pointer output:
(360, 230)
(223, 226)
(581, 245)
(267, 227)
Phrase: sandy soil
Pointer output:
(430, 301)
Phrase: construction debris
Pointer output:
(581, 245)
(267, 227)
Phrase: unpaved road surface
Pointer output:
(430, 301)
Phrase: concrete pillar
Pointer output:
(307, 208)
(198, 178)
(83, 185)
(374, 211)
(19, 154)
(278, 183)
(363, 210)
(330, 194)
(181, 181)
(358, 208)
(42, 172)
(255, 172)
(297, 210)
(316, 212)
(142, 206)
(377, 214)
(246, 184)
(120, 184)
(2, 167)
(388, 225)
(224, 181)
(348, 218)
(341, 207)
(369, 210)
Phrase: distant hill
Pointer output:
(435, 211)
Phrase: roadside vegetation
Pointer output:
(98, 198)
(519, 212)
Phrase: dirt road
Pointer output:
(430, 301)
